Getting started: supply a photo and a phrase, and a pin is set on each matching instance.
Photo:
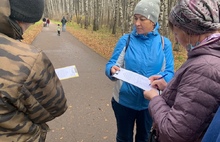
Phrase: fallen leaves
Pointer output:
(31, 33)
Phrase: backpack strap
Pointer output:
(128, 40)
(164, 60)
(162, 40)
(127, 43)
(121, 61)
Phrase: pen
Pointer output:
(160, 78)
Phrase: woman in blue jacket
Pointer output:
(213, 133)
(147, 53)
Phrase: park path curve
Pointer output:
(89, 117)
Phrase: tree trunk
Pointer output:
(114, 14)
(86, 23)
(115, 17)
(95, 21)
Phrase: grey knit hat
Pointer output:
(29, 11)
(149, 9)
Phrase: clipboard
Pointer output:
(67, 72)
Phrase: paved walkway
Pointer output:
(89, 117)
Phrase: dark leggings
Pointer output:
(126, 119)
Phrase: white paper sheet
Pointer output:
(67, 72)
(133, 78)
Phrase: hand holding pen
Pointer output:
(162, 77)
(158, 82)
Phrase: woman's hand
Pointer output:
(114, 69)
(151, 94)
(158, 83)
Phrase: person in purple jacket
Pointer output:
(183, 112)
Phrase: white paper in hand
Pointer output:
(133, 78)
(67, 72)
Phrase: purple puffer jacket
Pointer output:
(186, 107)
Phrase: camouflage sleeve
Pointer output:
(42, 92)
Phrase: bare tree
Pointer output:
(114, 14)
(95, 21)
(86, 22)
(115, 17)
(111, 11)
(121, 17)
(131, 13)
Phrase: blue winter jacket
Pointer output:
(144, 55)
(213, 133)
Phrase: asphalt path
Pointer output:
(89, 117)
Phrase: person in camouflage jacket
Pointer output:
(30, 92)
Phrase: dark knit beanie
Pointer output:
(29, 11)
